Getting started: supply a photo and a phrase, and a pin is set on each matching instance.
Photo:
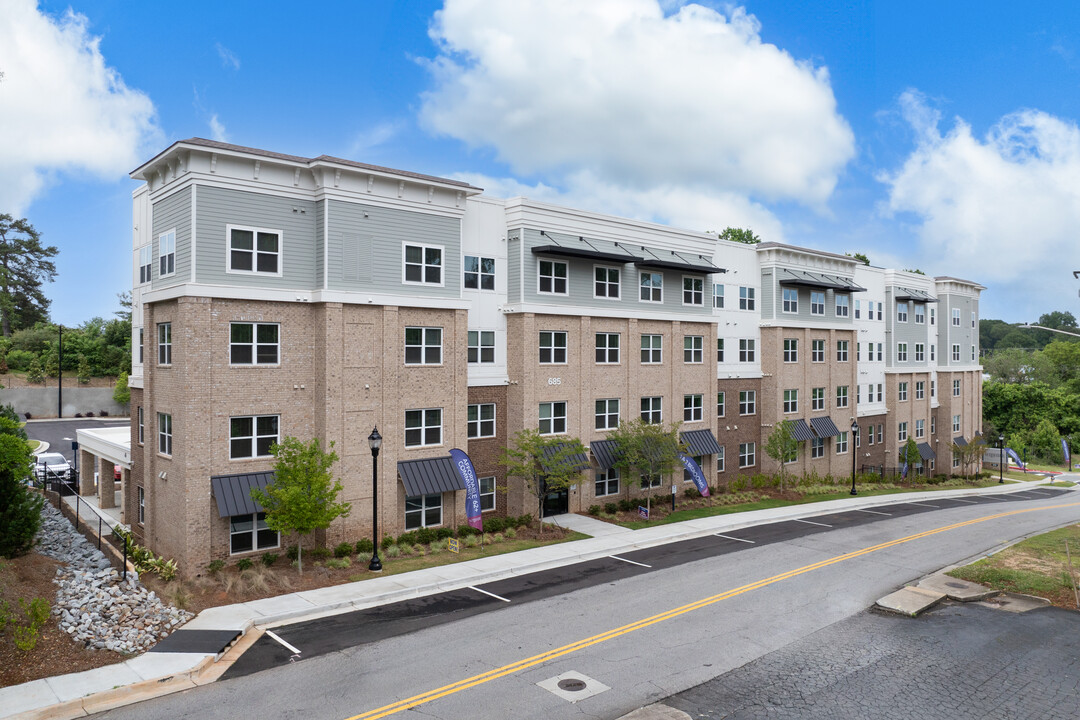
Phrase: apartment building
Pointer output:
(278, 295)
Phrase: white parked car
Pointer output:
(51, 466)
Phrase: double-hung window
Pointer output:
(652, 351)
(956, 317)
(607, 482)
(901, 312)
(842, 396)
(607, 348)
(956, 388)
(164, 348)
(693, 291)
(791, 350)
(552, 418)
(933, 388)
(817, 398)
(720, 398)
(720, 460)
(791, 401)
(146, 264)
(693, 349)
(164, 424)
(901, 392)
(973, 318)
(250, 532)
(933, 352)
(423, 264)
(141, 425)
(719, 349)
(841, 443)
(717, 295)
(817, 351)
(901, 352)
(791, 300)
(901, 430)
(481, 421)
(481, 347)
(920, 428)
(607, 414)
(423, 511)
(920, 313)
(933, 425)
(142, 505)
(254, 343)
(479, 273)
(423, 427)
(880, 392)
(817, 448)
(956, 352)
(972, 353)
(693, 408)
(920, 390)
(140, 346)
(652, 410)
(552, 347)
(843, 305)
(747, 350)
(606, 282)
(920, 352)
(254, 250)
(956, 423)
(252, 436)
(880, 352)
(747, 454)
(423, 346)
(167, 253)
(487, 493)
(841, 351)
(552, 278)
(652, 287)
(817, 302)
(748, 402)
(746, 298)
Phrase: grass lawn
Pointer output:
(34, 444)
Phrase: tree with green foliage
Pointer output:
(25, 265)
(916, 271)
(969, 455)
(121, 393)
(83, 371)
(51, 364)
(782, 447)
(1046, 441)
(650, 450)
(20, 507)
(545, 463)
(303, 496)
(745, 236)
(860, 257)
(910, 454)
(34, 373)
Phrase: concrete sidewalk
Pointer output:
(160, 673)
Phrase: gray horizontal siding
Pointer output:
(513, 275)
(909, 332)
(948, 334)
(169, 213)
(772, 304)
(320, 242)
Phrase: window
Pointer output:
(920, 428)
(487, 493)
(817, 448)
(652, 349)
(858, 352)
(253, 343)
(423, 427)
(140, 346)
(880, 346)
(956, 352)
(920, 390)
(972, 353)
(858, 394)
(747, 402)
(607, 348)
(841, 351)
(146, 263)
(249, 532)
(254, 250)
(956, 388)
(423, 511)
(747, 453)
(870, 436)
(880, 433)
(902, 392)
(141, 426)
(791, 401)
(552, 278)
(901, 312)
(720, 409)
(746, 298)
(972, 319)
(956, 317)
(481, 347)
(693, 408)
(956, 423)
(164, 423)
(933, 352)
(481, 423)
(870, 392)
(843, 303)
(817, 351)
(693, 349)
(842, 396)
(164, 340)
(650, 481)
(606, 282)
(901, 429)
(717, 295)
(479, 273)
(652, 287)
(747, 350)
(880, 393)
(791, 350)
(720, 460)
(933, 315)
(817, 398)
(920, 352)
(933, 388)
(933, 425)
(251, 436)
(719, 349)
(552, 347)
(956, 461)
(142, 505)
(869, 309)
(423, 264)
(167, 253)
(920, 313)
(841, 442)
(423, 346)
(686, 476)
(901, 352)
(817, 302)
(791, 300)
(652, 410)
(693, 291)
(607, 483)
(552, 418)
(607, 414)
(880, 307)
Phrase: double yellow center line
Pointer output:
(529, 662)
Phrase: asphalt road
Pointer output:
(636, 634)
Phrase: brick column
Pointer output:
(106, 485)
(86, 472)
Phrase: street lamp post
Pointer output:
(375, 442)
(1001, 459)
(854, 455)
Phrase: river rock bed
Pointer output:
(94, 604)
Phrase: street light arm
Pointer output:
(1043, 327)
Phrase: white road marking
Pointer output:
(616, 557)
(488, 593)
(963, 500)
(752, 542)
(923, 504)
(873, 512)
(289, 647)
(811, 522)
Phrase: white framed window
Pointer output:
(607, 482)
(841, 442)
(552, 418)
(973, 319)
(747, 350)
(607, 413)
(718, 295)
(920, 352)
(748, 402)
(901, 312)
(901, 430)
(140, 346)
(650, 481)
(901, 392)
(481, 347)
(791, 300)
(956, 352)
(719, 349)
(142, 504)
(652, 410)
(249, 532)
(858, 309)
(870, 435)
(720, 404)
(920, 428)
(880, 351)
(479, 273)
(423, 427)
(956, 461)
(255, 251)
(841, 351)
(933, 425)
(791, 350)
(552, 347)
(651, 287)
(423, 346)
(652, 352)
(746, 298)
(164, 348)
(817, 398)
(254, 343)
(791, 401)
(858, 394)
(606, 282)
(842, 396)
(956, 317)
(164, 424)
(481, 421)
(141, 425)
(423, 264)
(252, 436)
(607, 348)
(880, 392)
(423, 511)
(747, 454)
(167, 253)
(880, 433)
(956, 423)
(720, 460)
(920, 313)
(956, 388)
(817, 448)
(843, 305)
(972, 353)
(551, 278)
(933, 388)
(920, 390)
(817, 351)
(693, 408)
(693, 349)
(693, 291)
(487, 493)
(933, 352)
(901, 352)
(870, 310)
(146, 264)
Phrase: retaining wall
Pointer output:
(41, 402)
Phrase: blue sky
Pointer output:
(941, 136)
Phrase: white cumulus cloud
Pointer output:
(62, 109)
(638, 105)
(217, 129)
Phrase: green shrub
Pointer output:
(387, 541)
(364, 547)
(424, 536)
(594, 510)
(738, 484)
(343, 550)
(244, 564)
(321, 553)
(214, 566)
(471, 541)
(25, 636)
(626, 505)
(293, 553)
(497, 537)
(338, 563)
(443, 533)
(611, 508)
(494, 525)
(37, 611)
(525, 520)
(391, 551)
(465, 531)
(510, 532)
(407, 538)
(269, 559)
(691, 493)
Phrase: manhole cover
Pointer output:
(572, 685)
(955, 584)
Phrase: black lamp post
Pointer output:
(1001, 459)
(60, 375)
(375, 442)
(854, 454)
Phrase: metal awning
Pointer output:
(233, 492)
(926, 452)
(577, 461)
(429, 476)
(700, 442)
(824, 427)
(582, 248)
(674, 261)
(817, 280)
(903, 293)
(605, 452)
(801, 430)
(960, 440)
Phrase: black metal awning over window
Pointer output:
(674, 261)
(577, 461)
(926, 452)
(903, 294)
(824, 427)
(582, 248)
(429, 476)
(700, 442)
(960, 440)
(821, 281)
(801, 430)
(233, 492)
(605, 452)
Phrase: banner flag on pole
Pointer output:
(472, 487)
(695, 474)
(1016, 458)
(1065, 450)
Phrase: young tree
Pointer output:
(35, 374)
(24, 267)
(651, 450)
(910, 454)
(20, 508)
(969, 456)
(121, 393)
(745, 236)
(83, 373)
(303, 496)
(544, 463)
(782, 447)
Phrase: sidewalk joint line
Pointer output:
(497, 597)
(616, 557)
